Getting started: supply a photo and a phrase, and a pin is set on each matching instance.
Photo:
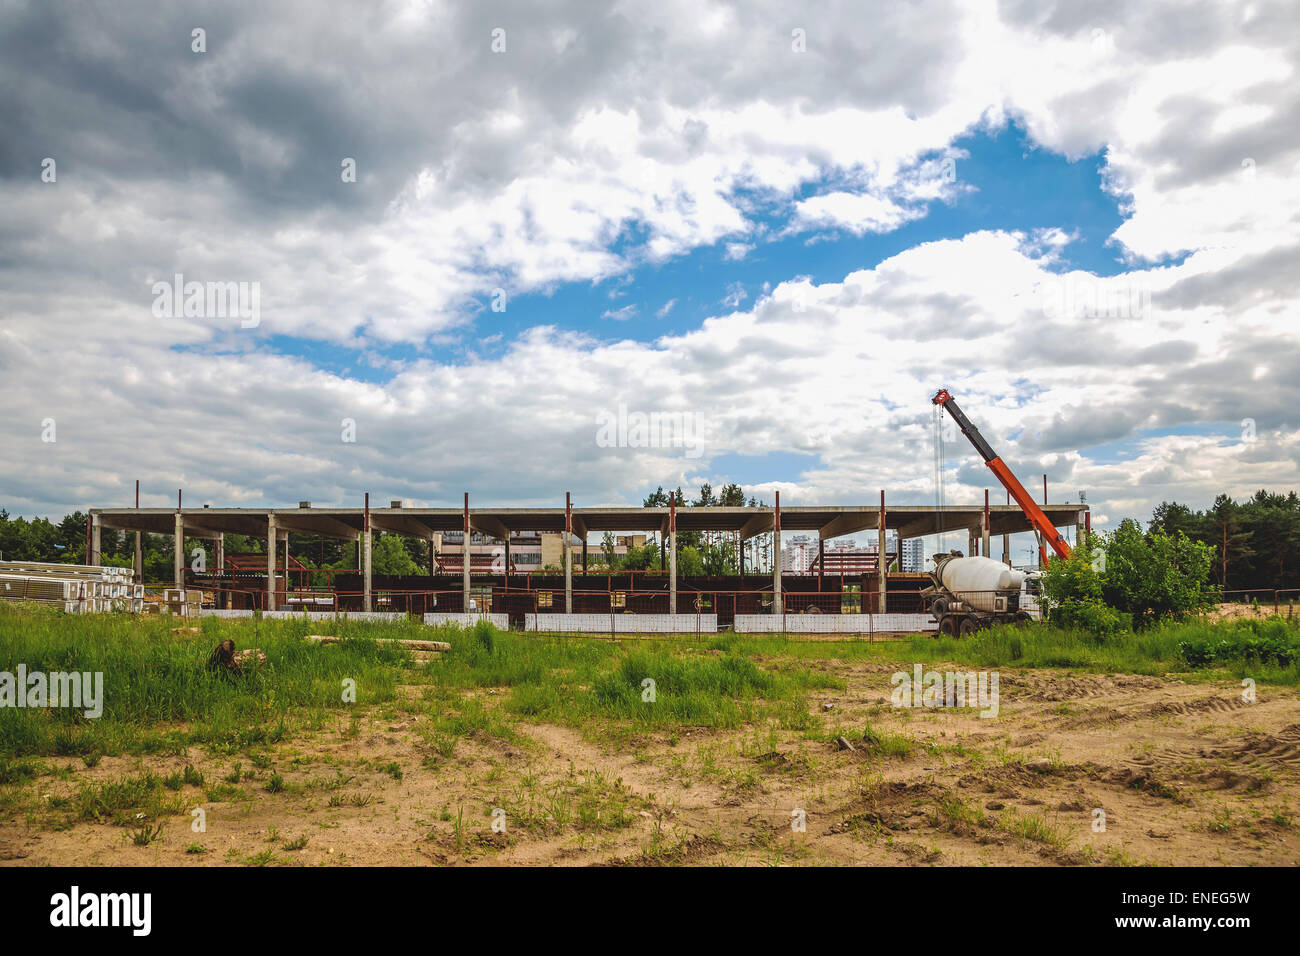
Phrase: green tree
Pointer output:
(1156, 576)
(1231, 542)
(389, 556)
(689, 561)
(645, 558)
(1073, 591)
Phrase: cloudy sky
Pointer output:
(472, 231)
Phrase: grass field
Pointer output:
(531, 749)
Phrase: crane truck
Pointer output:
(968, 593)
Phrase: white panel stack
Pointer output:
(623, 623)
(833, 623)
(77, 588)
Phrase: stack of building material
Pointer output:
(182, 601)
(77, 588)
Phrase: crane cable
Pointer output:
(939, 468)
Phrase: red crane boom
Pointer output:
(1009, 481)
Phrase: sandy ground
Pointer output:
(1243, 611)
(1184, 774)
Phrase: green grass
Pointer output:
(127, 801)
(1242, 649)
(160, 698)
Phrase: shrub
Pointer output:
(1248, 642)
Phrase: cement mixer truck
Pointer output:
(972, 593)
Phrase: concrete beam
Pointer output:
(488, 525)
(850, 523)
(404, 525)
(320, 525)
(756, 525)
(580, 527)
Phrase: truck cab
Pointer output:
(1031, 591)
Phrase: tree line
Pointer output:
(1255, 543)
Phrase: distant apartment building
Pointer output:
(798, 554)
(913, 559)
(529, 550)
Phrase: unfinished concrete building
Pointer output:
(578, 598)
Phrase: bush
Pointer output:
(1127, 579)
(1248, 642)
(1095, 617)
(1156, 576)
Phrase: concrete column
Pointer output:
(272, 535)
(433, 558)
(96, 535)
(984, 531)
(882, 568)
(465, 559)
(972, 545)
(778, 603)
(366, 548)
(568, 554)
(584, 555)
(672, 553)
(139, 546)
(286, 560)
(223, 597)
(367, 590)
(178, 552)
(1006, 542)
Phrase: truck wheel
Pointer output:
(969, 626)
(948, 627)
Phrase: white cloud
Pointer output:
(637, 143)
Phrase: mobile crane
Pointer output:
(1042, 524)
(970, 593)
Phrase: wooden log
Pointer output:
(409, 644)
